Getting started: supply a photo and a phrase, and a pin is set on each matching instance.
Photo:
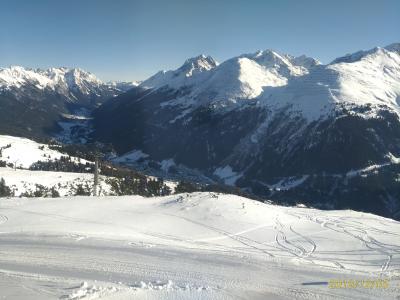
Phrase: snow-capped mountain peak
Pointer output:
(240, 77)
(368, 78)
(393, 47)
(313, 90)
(16, 76)
(198, 64)
(236, 79)
(364, 54)
(305, 61)
(269, 58)
(72, 79)
(74, 84)
(353, 57)
(181, 76)
(284, 64)
(123, 85)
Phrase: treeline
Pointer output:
(4, 164)
(122, 180)
(5, 191)
(146, 187)
(4, 147)
(63, 164)
(85, 151)
(42, 191)
(190, 187)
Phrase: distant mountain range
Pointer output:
(283, 127)
(32, 101)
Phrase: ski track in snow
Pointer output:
(203, 247)
(357, 231)
(3, 219)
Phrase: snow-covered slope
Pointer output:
(367, 78)
(373, 78)
(124, 85)
(284, 64)
(24, 164)
(302, 84)
(26, 182)
(269, 118)
(192, 68)
(22, 152)
(240, 78)
(191, 246)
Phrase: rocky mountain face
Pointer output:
(32, 101)
(284, 127)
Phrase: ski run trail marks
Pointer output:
(190, 246)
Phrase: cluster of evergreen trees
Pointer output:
(190, 187)
(4, 147)
(82, 190)
(3, 163)
(123, 181)
(143, 186)
(85, 151)
(5, 191)
(64, 164)
(41, 191)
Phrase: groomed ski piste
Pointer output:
(190, 246)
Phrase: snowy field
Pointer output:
(190, 246)
(22, 181)
(24, 152)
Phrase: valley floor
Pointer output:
(190, 246)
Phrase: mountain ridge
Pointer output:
(56, 78)
(33, 101)
(262, 126)
(281, 127)
(256, 76)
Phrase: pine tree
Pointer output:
(185, 187)
(81, 190)
(54, 192)
(5, 191)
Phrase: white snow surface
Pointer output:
(62, 80)
(271, 79)
(300, 85)
(190, 246)
(24, 152)
(25, 181)
(242, 77)
(123, 85)
(372, 78)
(193, 67)
(131, 156)
(50, 78)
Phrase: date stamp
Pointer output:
(359, 283)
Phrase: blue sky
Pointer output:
(131, 40)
